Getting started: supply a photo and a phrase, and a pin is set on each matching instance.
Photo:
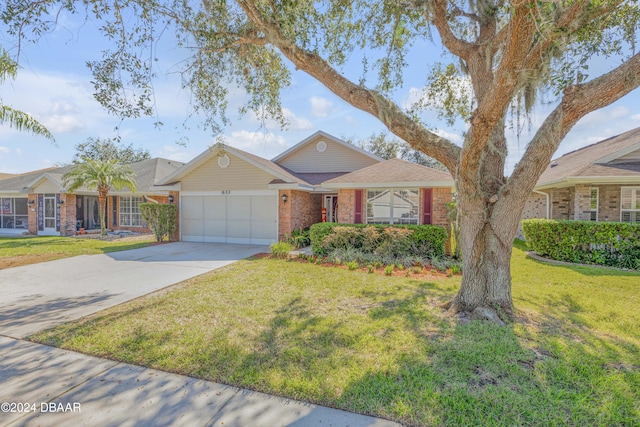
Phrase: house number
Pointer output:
(226, 191)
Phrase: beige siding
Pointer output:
(46, 186)
(239, 175)
(336, 158)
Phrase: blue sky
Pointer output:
(54, 86)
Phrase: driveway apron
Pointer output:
(39, 296)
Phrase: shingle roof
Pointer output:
(583, 162)
(393, 171)
(147, 173)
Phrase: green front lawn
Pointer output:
(380, 345)
(18, 251)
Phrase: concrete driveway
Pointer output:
(39, 296)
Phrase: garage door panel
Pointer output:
(215, 228)
(239, 208)
(215, 208)
(230, 218)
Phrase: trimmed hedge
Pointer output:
(426, 240)
(162, 219)
(615, 244)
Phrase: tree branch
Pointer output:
(456, 46)
(577, 102)
(370, 101)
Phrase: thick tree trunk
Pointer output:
(485, 292)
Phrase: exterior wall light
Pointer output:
(284, 198)
(170, 199)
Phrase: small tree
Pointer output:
(161, 219)
(100, 176)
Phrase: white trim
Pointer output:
(322, 134)
(620, 153)
(634, 200)
(184, 170)
(402, 184)
(591, 180)
(231, 193)
(597, 210)
(173, 187)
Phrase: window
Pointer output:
(130, 211)
(393, 206)
(630, 204)
(593, 205)
(13, 213)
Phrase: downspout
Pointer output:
(548, 204)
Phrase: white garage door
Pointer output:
(249, 219)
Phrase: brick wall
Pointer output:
(301, 211)
(582, 202)
(609, 203)
(347, 206)
(534, 207)
(32, 206)
(176, 200)
(68, 215)
(561, 203)
(441, 196)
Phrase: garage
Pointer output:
(230, 218)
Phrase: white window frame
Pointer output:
(634, 202)
(132, 213)
(597, 208)
(391, 218)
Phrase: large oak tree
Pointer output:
(498, 55)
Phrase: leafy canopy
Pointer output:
(105, 149)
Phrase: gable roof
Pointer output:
(595, 161)
(320, 134)
(147, 173)
(280, 174)
(7, 175)
(392, 173)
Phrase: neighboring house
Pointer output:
(600, 182)
(36, 202)
(228, 195)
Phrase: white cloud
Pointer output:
(175, 153)
(453, 137)
(295, 122)
(320, 107)
(265, 144)
(4, 149)
(62, 124)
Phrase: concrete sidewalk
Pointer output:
(62, 387)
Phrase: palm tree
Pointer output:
(101, 176)
(16, 118)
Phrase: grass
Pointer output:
(17, 251)
(379, 345)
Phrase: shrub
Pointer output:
(299, 238)
(383, 240)
(281, 249)
(352, 265)
(605, 243)
(388, 270)
(161, 219)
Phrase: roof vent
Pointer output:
(553, 164)
(321, 146)
(223, 161)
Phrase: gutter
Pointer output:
(548, 204)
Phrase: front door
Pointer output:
(91, 213)
(331, 205)
(49, 216)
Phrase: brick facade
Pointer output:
(68, 215)
(561, 203)
(32, 206)
(301, 210)
(347, 205)
(441, 196)
(574, 203)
